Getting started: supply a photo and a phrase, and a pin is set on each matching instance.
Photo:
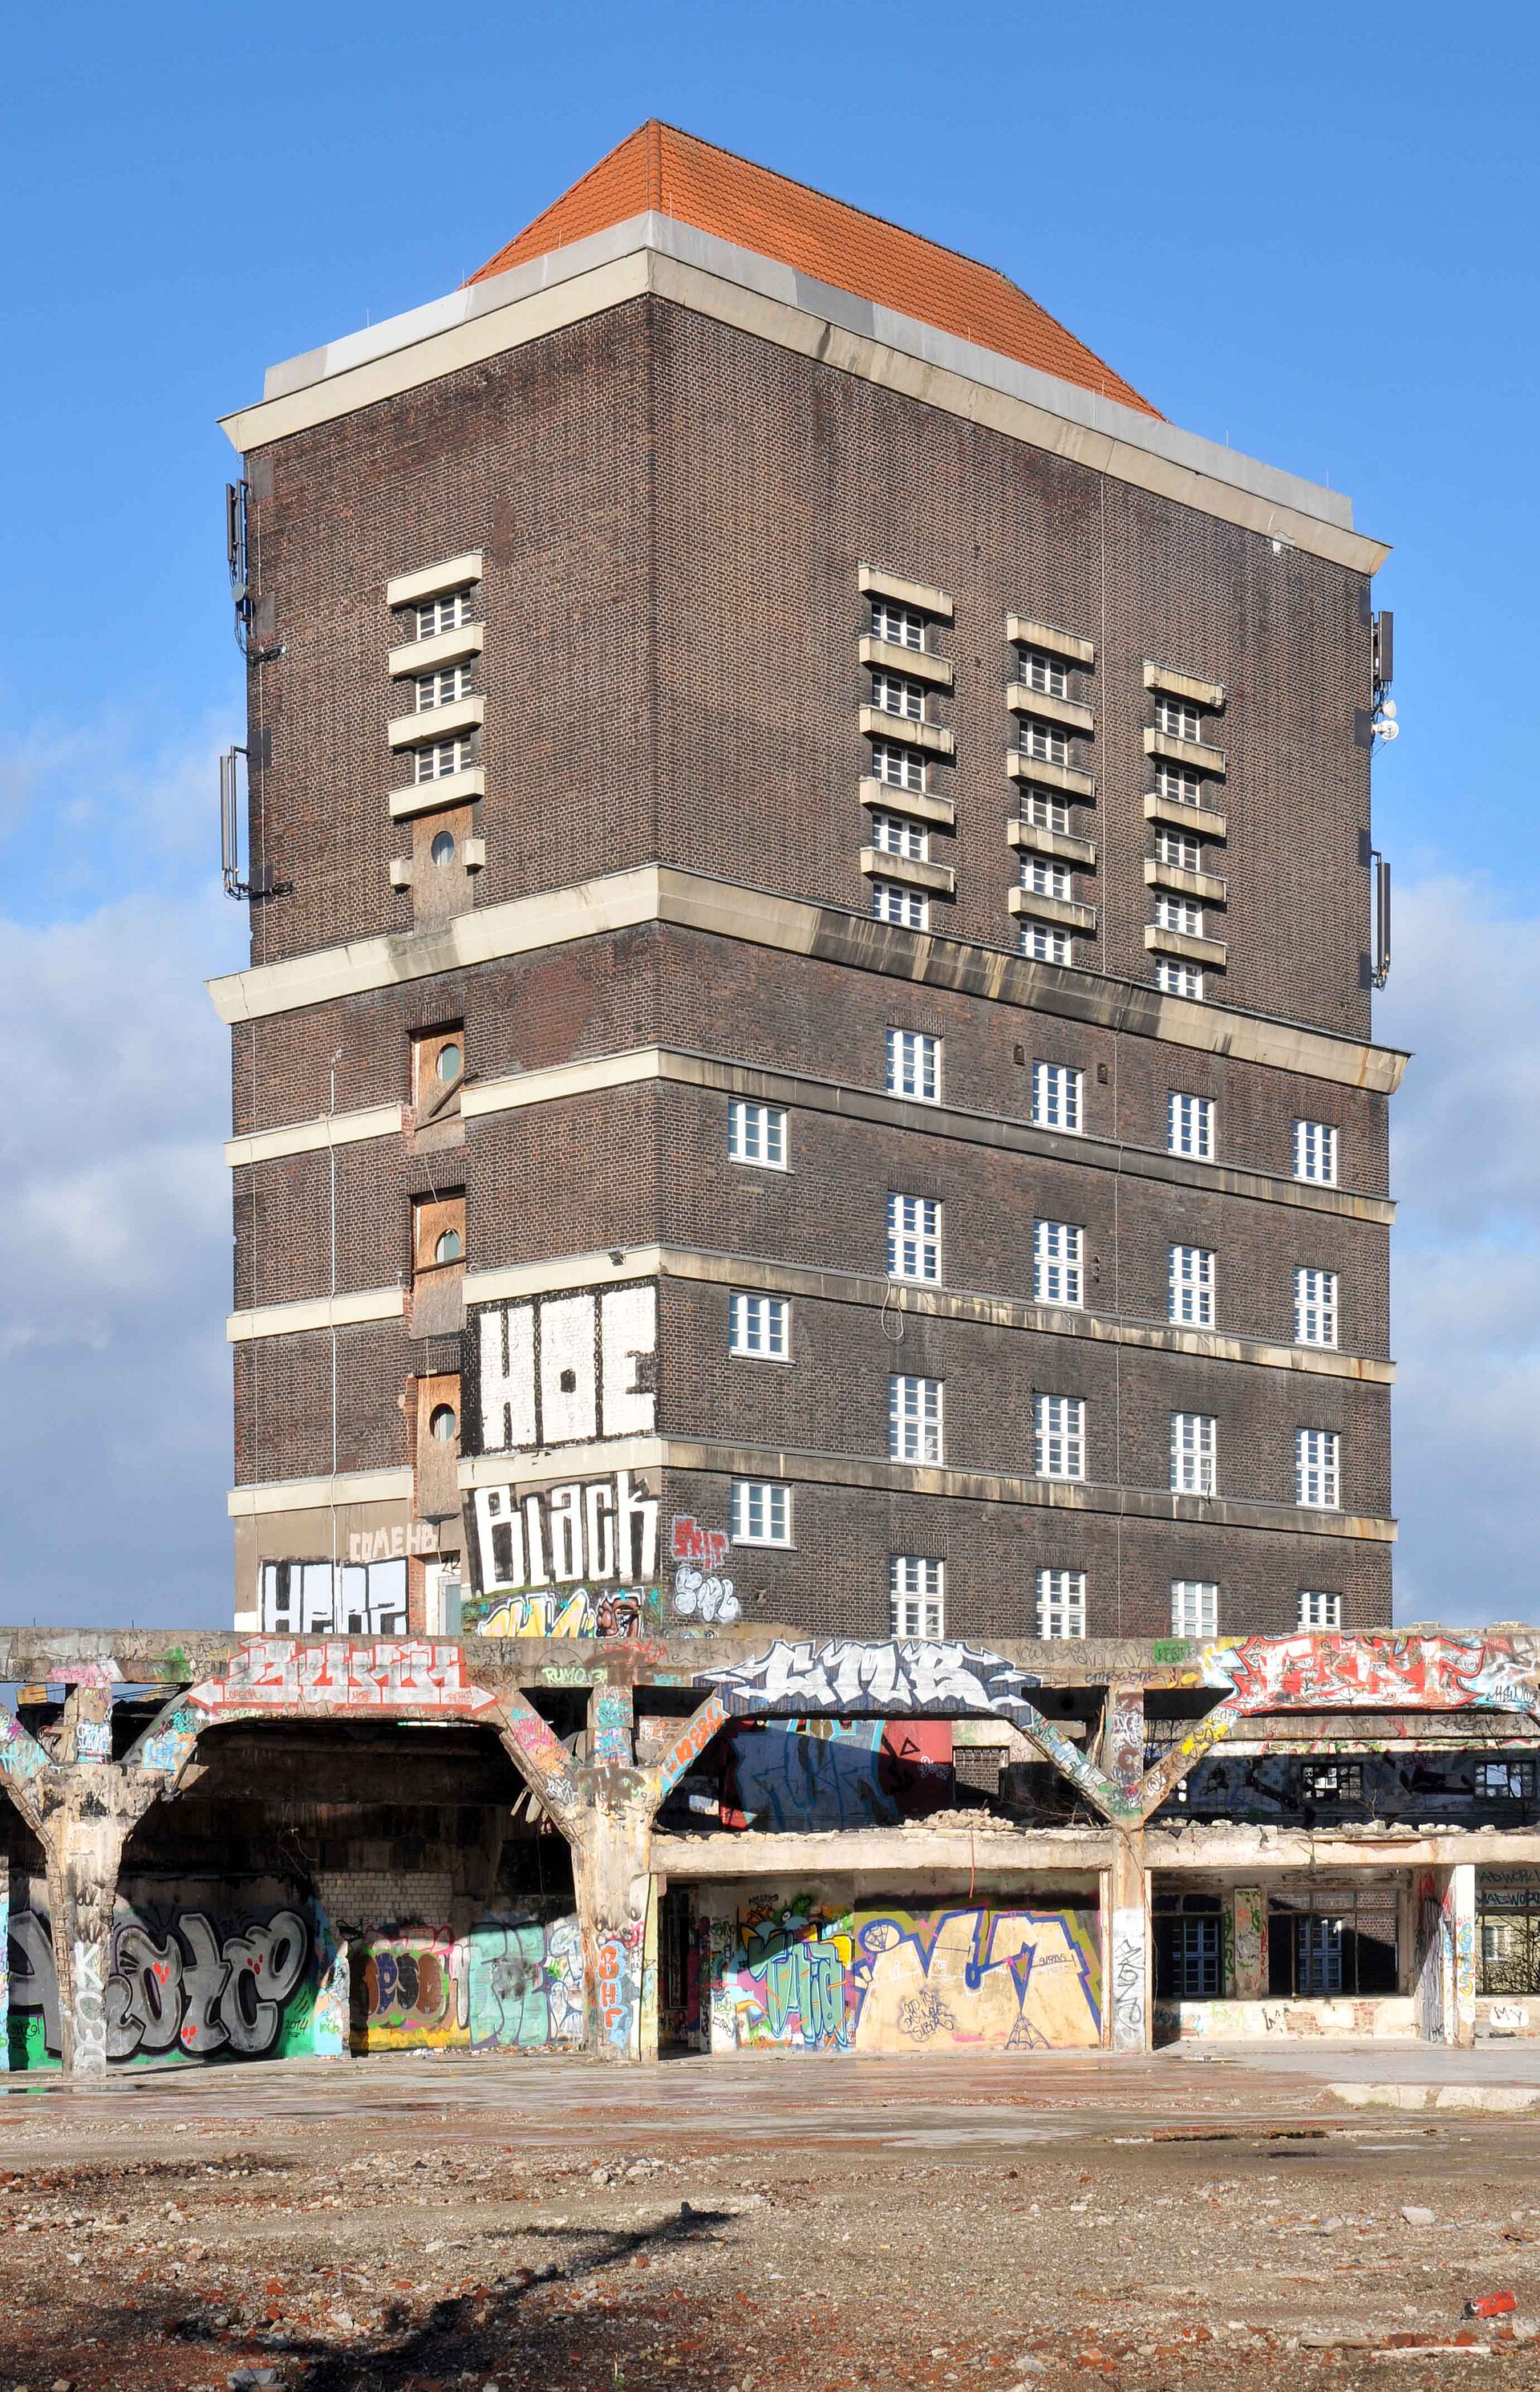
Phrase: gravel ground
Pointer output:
(745, 2225)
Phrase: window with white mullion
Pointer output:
(1315, 1152)
(440, 758)
(896, 835)
(1176, 978)
(1178, 718)
(1179, 851)
(894, 693)
(916, 1593)
(914, 1238)
(898, 767)
(1317, 1469)
(1047, 879)
(914, 1059)
(442, 688)
(1192, 1286)
(1061, 1604)
(1037, 670)
(899, 626)
(1195, 1608)
(1047, 813)
(1194, 1447)
(760, 1512)
(1058, 1250)
(756, 1133)
(1315, 1306)
(1320, 1610)
(913, 1418)
(1057, 1090)
(1046, 742)
(1047, 942)
(891, 902)
(1058, 1436)
(445, 614)
(1190, 1126)
(1184, 914)
(759, 1326)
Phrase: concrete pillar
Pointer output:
(4, 1964)
(1446, 1954)
(1121, 1752)
(611, 1873)
(1248, 1943)
(648, 2030)
(1459, 1909)
(83, 1844)
(1126, 2006)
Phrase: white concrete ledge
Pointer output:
(914, 871)
(1066, 912)
(443, 648)
(433, 581)
(450, 789)
(305, 1137)
(1026, 631)
(921, 594)
(1067, 711)
(880, 797)
(319, 1494)
(426, 724)
(876, 723)
(918, 661)
(1209, 694)
(316, 1312)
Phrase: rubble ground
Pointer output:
(420, 2222)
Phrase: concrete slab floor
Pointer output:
(1028, 2221)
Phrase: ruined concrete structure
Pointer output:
(807, 1051)
(221, 1850)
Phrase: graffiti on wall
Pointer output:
(849, 1679)
(180, 1986)
(1247, 1972)
(414, 1994)
(1130, 1976)
(617, 1973)
(525, 1982)
(890, 1978)
(597, 1530)
(566, 1370)
(700, 1590)
(560, 1613)
(812, 1774)
(274, 1672)
(1349, 1672)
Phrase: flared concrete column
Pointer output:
(82, 1846)
(1127, 2012)
(611, 1873)
(1446, 1954)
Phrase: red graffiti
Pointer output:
(705, 1546)
(272, 1672)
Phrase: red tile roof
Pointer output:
(659, 168)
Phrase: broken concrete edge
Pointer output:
(1497, 2100)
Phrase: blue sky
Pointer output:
(1311, 234)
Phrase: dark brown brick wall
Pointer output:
(284, 1402)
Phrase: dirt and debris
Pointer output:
(734, 2227)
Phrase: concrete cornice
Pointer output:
(319, 1494)
(799, 1466)
(600, 1269)
(771, 300)
(306, 1136)
(662, 892)
(316, 1312)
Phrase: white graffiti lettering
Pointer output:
(565, 1369)
(605, 1530)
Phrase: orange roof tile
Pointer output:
(674, 173)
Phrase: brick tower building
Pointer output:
(807, 1051)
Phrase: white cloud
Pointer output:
(1465, 997)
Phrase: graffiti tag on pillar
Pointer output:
(558, 1612)
(614, 1985)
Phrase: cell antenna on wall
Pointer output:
(1384, 653)
(236, 495)
(258, 881)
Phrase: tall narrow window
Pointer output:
(916, 1593)
(1061, 1604)
(1195, 1440)
(1195, 1608)
(914, 1065)
(1057, 1096)
(1317, 1473)
(1192, 1286)
(914, 1238)
(760, 1512)
(1315, 1308)
(1057, 1261)
(910, 908)
(1058, 1436)
(756, 1133)
(913, 1418)
(1190, 1126)
(1315, 1152)
(759, 1327)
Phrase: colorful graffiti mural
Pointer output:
(410, 1990)
(565, 1611)
(272, 1673)
(526, 1980)
(700, 1590)
(814, 1774)
(892, 1978)
(1361, 1673)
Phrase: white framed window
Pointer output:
(1037, 670)
(1175, 978)
(896, 835)
(1195, 1446)
(901, 627)
(1505, 1781)
(899, 768)
(1044, 878)
(1046, 742)
(1315, 1306)
(1317, 1469)
(760, 1512)
(1061, 1604)
(1058, 1436)
(1195, 1608)
(914, 1065)
(1047, 942)
(894, 693)
(443, 614)
(1178, 718)
(913, 1237)
(891, 902)
(441, 758)
(1190, 1126)
(1177, 786)
(1048, 813)
(917, 1595)
(1320, 1610)
(1191, 1286)
(1315, 1152)
(913, 1418)
(759, 1327)
(443, 687)
(755, 1133)
(1182, 913)
(1179, 850)
(1057, 1096)
(1058, 1249)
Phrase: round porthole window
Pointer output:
(443, 848)
(442, 1422)
(449, 1247)
(450, 1060)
